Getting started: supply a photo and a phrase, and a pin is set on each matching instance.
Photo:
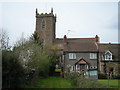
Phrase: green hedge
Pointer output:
(116, 77)
(102, 76)
(105, 76)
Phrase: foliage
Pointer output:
(33, 57)
(13, 72)
(54, 59)
(116, 77)
(84, 83)
(102, 76)
(40, 62)
(50, 51)
(38, 40)
(105, 76)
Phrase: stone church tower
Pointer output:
(45, 27)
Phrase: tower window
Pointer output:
(43, 24)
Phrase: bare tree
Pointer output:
(4, 40)
(21, 41)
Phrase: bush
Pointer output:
(40, 62)
(73, 77)
(102, 76)
(12, 71)
(81, 82)
(116, 77)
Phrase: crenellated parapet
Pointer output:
(45, 14)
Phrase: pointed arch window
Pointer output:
(43, 24)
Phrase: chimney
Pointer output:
(109, 43)
(97, 39)
(65, 39)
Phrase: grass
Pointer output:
(58, 82)
(52, 82)
(111, 82)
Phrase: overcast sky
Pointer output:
(83, 19)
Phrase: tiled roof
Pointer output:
(60, 40)
(78, 44)
(113, 48)
(80, 47)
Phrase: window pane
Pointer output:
(72, 55)
(93, 56)
(93, 73)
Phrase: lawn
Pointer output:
(112, 82)
(58, 82)
(52, 82)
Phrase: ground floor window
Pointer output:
(93, 73)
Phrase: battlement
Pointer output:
(45, 14)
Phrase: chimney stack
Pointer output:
(65, 39)
(97, 39)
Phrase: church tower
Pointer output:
(45, 27)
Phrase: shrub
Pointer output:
(102, 76)
(40, 62)
(116, 77)
(12, 71)
(81, 82)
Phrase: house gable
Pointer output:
(81, 61)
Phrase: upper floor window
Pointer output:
(108, 55)
(93, 55)
(72, 55)
(43, 24)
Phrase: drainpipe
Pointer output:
(64, 61)
(98, 63)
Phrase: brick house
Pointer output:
(84, 55)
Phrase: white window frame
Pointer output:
(72, 55)
(93, 55)
(108, 55)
